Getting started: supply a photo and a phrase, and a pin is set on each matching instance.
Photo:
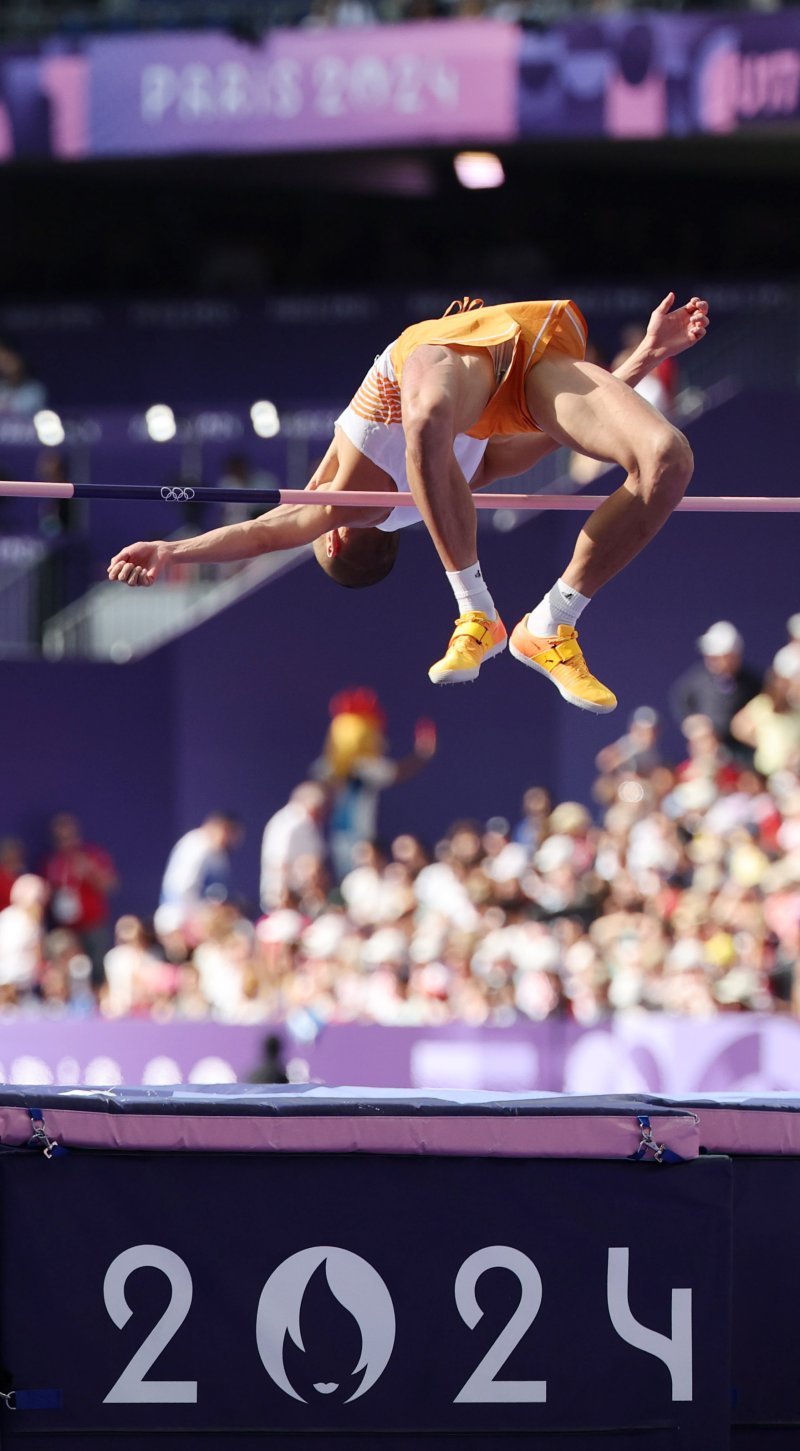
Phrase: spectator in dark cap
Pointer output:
(718, 685)
(637, 751)
(82, 878)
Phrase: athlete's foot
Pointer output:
(561, 657)
(476, 638)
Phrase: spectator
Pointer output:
(199, 866)
(229, 963)
(770, 723)
(19, 393)
(65, 976)
(56, 516)
(136, 978)
(81, 878)
(793, 643)
(293, 846)
(707, 771)
(376, 891)
(537, 804)
(239, 473)
(326, 13)
(272, 1068)
(12, 865)
(637, 751)
(22, 934)
(410, 854)
(718, 685)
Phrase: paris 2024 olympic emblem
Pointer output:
(358, 1288)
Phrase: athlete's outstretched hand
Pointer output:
(669, 332)
(140, 563)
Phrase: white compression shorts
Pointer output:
(371, 422)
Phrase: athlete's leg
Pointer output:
(587, 409)
(444, 392)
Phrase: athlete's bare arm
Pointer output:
(286, 527)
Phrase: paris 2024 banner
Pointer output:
(481, 81)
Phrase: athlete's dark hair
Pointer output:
(364, 558)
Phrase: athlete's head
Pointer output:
(356, 558)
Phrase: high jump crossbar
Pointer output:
(185, 494)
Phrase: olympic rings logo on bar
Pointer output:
(177, 496)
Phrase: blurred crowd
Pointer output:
(251, 17)
(676, 890)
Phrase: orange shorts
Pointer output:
(535, 328)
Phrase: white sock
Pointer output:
(469, 588)
(562, 605)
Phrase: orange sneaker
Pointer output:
(476, 638)
(561, 657)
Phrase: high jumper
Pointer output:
(452, 405)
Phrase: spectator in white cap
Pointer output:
(718, 685)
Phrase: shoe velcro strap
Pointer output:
(559, 654)
(474, 629)
(568, 649)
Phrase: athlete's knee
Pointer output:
(666, 472)
(676, 466)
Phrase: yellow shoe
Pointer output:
(562, 659)
(476, 638)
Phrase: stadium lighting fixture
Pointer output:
(160, 421)
(264, 418)
(479, 170)
(49, 428)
